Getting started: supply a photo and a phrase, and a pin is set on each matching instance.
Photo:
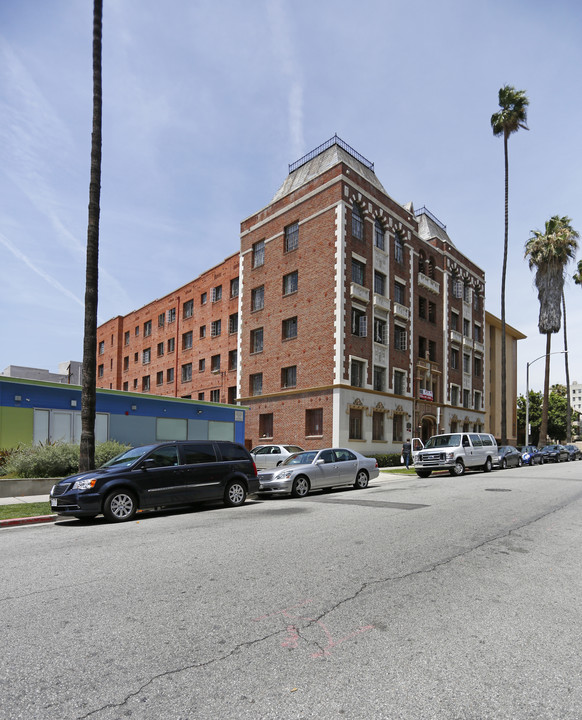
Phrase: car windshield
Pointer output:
(439, 441)
(293, 448)
(129, 457)
(303, 458)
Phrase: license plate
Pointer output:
(53, 503)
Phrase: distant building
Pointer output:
(576, 404)
(70, 373)
(493, 376)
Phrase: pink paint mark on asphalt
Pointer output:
(331, 643)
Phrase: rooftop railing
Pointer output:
(424, 211)
(335, 140)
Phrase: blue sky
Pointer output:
(205, 102)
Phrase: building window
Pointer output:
(135, 357)
(379, 283)
(357, 368)
(398, 249)
(422, 347)
(477, 335)
(202, 331)
(454, 359)
(215, 328)
(467, 293)
(137, 330)
(466, 363)
(358, 272)
(203, 298)
(379, 379)
(125, 386)
(399, 293)
(289, 328)
(188, 308)
(291, 237)
(234, 284)
(477, 400)
(215, 396)
(160, 378)
(476, 302)
(216, 294)
(201, 365)
(466, 328)
(147, 328)
(399, 337)
(135, 383)
(259, 253)
(257, 340)
(170, 375)
(232, 359)
(421, 262)
(290, 283)
(233, 323)
(187, 372)
(201, 396)
(422, 308)
(100, 371)
(187, 341)
(161, 319)
(457, 287)
(356, 423)
(256, 384)
(454, 395)
(126, 337)
(359, 322)
(432, 350)
(215, 364)
(314, 422)
(478, 367)
(101, 347)
(377, 425)
(258, 298)
(466, 399)
(399, 382)
(266, 425)
(431, 312)
(231, 395)
(172, 315)
(289, 377)
(357, 222)
(455, 321)
(126, 363)
(171, 345)
(378, 235)
(146, 356)
(397, 428)
(145, 383)
(160, 349)
(380, 331)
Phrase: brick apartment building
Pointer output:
(346, 319)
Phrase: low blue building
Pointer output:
(33, 411)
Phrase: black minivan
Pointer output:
(169, 473)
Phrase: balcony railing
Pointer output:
(429, 283)
(335, 140)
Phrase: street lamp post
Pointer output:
(557, 352)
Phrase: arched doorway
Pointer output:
(428, 428)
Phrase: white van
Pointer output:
(455, 452)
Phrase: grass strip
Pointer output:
(8, 512)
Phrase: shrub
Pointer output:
(386, 459)
(5, 454)
(55, 459)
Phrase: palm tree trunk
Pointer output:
(568, 406)
(503, 276)
(543, 439)
(88, 401)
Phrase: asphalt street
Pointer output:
(448, 598)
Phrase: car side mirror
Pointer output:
(148, 464)
(320, 461)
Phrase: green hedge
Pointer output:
(386, 459)
(54, 459)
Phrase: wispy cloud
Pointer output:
(283, 44)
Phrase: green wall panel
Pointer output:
(16, 426)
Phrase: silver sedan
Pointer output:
(318, 469)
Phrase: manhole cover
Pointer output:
(497, 490)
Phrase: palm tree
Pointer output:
(549, 252)
(511, 117)
(88, 401)
(578, 276)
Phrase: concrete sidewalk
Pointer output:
(24, 499)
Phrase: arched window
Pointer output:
(378, 234)
(421, 262)
(357, 222)
(398, 248)
(430, 268)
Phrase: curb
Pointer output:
(28, 520)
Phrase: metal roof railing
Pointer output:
(424, 211)
(335, 140)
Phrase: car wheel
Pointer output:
(300, 487)
(458, 468)
(235, 494)
(361, 480)
(423, 473)
(504, 464)
(519, 462)
(488, 465)
(119, 506)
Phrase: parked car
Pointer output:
(555, 453)
(455, 452)
(171, 473)
(531, 455)
(318, 469)
(269, 456)
(574, 452)
(509, 456)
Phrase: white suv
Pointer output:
(456, 452)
